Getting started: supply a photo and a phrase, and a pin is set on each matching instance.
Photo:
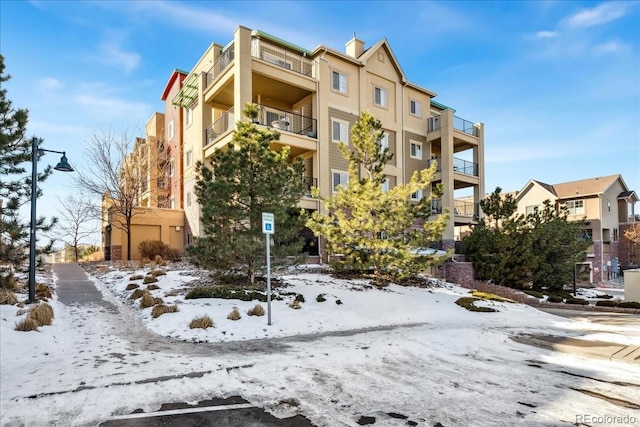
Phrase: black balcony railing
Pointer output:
(433, 123)
(464, 166)
(281, 57)
(220, 126)
(220, 65)
(287, 121)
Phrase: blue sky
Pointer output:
(556, 83)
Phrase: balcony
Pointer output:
(281, 57)
(459, 166)
(220, 65)
(220, 126)
(283, 120)
(309, 183)
(461, 208)
(433, 125)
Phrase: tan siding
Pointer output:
(392, 147)
(412, 165)
(336, 160)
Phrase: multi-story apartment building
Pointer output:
(607, 207)
(313, 97)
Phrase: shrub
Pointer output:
(149, 279)
(132, 286)
(629, 304)
(152, 287)
(42, 314)
(202, 322)
(158, 300)
(491, 297)
(7, 297)
(173, 254)
(161, 309)
(227, 292)
(147, 300)
(338, 302)
(605, 296)
(27, 325)
(577, 301)
(554, 298)
(43, 291)
(234, 315)
(158, 259)
(300, 298)
(151, 248)
(157, 272)
(295, 304)
(137, 294)
(469, 304)
(321, 298)
(607, 303)
(257, 310)
(534, 293)
(136, 277)
(8, 282)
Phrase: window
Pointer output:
(380, 96)
(189, 158)
(416, 150)
(171, 167)
(575, 207)
(384, 142)
(189, 198)
(339, 131)
(339, 81)
(417, 195)
(340, 178)
(171, 130)
(189, 118)
(415, 108)
(615, 234)
(172, 202)
(529, 210)
(385, 185)
(609, 206)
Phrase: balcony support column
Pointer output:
(242, 83)
(446, 166)
(478, 159)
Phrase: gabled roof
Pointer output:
(532, 182)
(174, 75)
(628, 196)
(586, 187)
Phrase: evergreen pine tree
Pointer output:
(15, 179)
(245, 179)
(372, 228)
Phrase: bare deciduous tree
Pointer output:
(114, 174)
(77, 215)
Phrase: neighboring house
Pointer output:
(313, 97)
(605, 204)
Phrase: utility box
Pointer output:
(632, 285)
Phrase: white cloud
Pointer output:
(113, 55)
(546, 34)
(188, 16)
(601, 14)
(610, 47)
(49, 83)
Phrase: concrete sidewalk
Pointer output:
(74, 287)
(599, 349)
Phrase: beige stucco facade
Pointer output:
(606, 206)
(313, 98)
(146, 224)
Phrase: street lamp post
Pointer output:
(64, 166)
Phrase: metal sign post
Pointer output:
(268, 228)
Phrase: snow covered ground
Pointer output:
(402, 350)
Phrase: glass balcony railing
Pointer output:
(220, 65)
(220, 126)
(433, 124)
(459, 166)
